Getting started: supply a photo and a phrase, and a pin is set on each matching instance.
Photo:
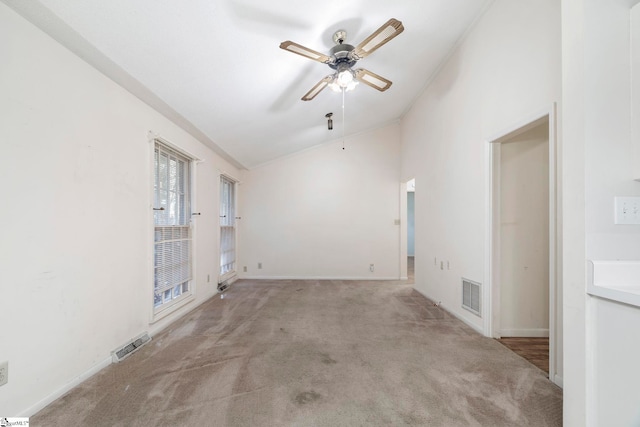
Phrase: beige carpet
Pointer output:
(315, 353)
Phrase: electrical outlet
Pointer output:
(441, 265)
(627, 210)
(259, 265)
(208, 278)
(244, 268)
(4, 373)
(371, 268)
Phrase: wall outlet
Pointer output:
(441, 265)
(259, 265)
(371, 268)
(627, 210)
(208, 278)
(4, 373)
(244, 268)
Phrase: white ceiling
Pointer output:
(215, 66)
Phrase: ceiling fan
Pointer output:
(343, 57)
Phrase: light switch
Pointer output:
(627, 210)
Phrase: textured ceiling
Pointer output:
(216, 69)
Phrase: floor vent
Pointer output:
(471, 296)
(222, 286)
(129, 348)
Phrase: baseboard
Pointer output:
(314, 278)
(66, 388)
(557, 380)
(32, 410)
(525, 333)
(476, 328)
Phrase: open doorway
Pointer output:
(411, 245)
(521, 297)
(407, 231)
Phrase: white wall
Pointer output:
(524, 234)
(324, 213)
(602, 352)
(506, 69)
(76, 249)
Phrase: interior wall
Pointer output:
(524, 234)
(325, 213)
(506, 69)
(77, 248)
(610, 167)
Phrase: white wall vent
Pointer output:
(471, 292)
(130, 347)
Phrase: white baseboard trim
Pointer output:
(66, 388)
(314, 278)
(477, 328)
(159, 327)
(557, 380)
(525, 333)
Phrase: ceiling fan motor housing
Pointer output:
(341, 54)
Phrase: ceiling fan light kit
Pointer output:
(344, 56)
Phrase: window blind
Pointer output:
(172, 220)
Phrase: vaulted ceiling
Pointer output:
(216, 69)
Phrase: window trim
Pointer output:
(159, 314)
(229, 275)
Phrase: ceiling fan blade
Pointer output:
(389, 30)
(304, 51)
(372, 79)
(317, 88)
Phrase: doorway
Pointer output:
(521, 267)
(407, 231)
(411, 203)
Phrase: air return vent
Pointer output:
(471, 296)
(130, 347)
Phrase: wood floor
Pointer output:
(535, 350)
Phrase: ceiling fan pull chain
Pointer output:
(343, 124)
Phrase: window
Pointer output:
(172, 221)
(227, 228)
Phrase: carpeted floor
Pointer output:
(315, 353)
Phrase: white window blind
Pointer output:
(172, 220)
(227, 227)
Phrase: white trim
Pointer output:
(492, 243)
(229, 276)
(316, 278)
(228, 176)
(523, 125)
(524, 333)
(153, 137)
(557, 380)
(402, 230)
(33, 409)
(157, 315)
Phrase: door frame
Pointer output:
(491, 292)
(404, 221)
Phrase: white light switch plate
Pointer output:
(627, 210)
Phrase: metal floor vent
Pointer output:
(223, 286)
(471, 296)
(129, 348)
